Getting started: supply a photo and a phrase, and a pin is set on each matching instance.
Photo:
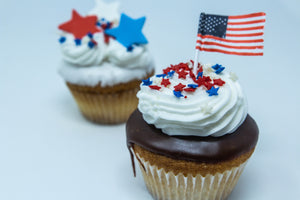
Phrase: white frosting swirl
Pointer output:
(82, 54)
(137, 58)
(199, 114)
(107, 74)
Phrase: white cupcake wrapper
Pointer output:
(167, 186)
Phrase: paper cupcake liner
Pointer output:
(164, 185)
(111, 108)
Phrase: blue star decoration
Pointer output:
(147, 82)
(200, 74)
(212, 91)
(62, 39)
(192, 86)
(177, 94)
(170, 74)
(219, 68)
(129, 31)
(161, 75)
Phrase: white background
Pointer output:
(48, 151)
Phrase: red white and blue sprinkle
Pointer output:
(210, 85)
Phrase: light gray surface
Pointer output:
(48, 151)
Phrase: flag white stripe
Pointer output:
(246, 19)
(230, 49)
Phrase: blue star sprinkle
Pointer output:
(219, 68)
(216, 66)
(200, 74)
(170, 74)
(192, 85)
(62, 39)
(129, 31)
(218, 71)
(90, 35)
(91, 44)
(130, 48)
(177, 94)
(212, 91)
(161, 75)
(77, 42)
(147, 82)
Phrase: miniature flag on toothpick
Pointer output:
(236, 35)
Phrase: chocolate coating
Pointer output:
(191, 148)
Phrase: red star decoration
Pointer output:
(80, 26)
(165, 82)
(219, 82)
(154, 87)
(179, 87)
(182, 74)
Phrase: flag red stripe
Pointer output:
(244, 35)
(229, 46)
(229, 52)
(245, 29)
(247, 16)
(246, 22)
(228, 40)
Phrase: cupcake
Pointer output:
(105, 57)
(191, 134)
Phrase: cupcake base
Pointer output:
(193, 181)
(106, 105)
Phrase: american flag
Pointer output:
(237, 35)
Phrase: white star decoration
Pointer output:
(233, 76)
(206, 109)
(109, 11)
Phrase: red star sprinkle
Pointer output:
(165, 82)
(189, 89)
(168, 69)
(179, 87)
(80, 26)
(182, 74)
(208, 85)
(219, 82)
(206, 78)
(154, 87)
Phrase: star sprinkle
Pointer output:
(170, 74)
(147, 82)
(91, 43)
(109, 11)
(219, 68)
(62, 39)
(161, 75)
(80, 26)
(189, 89)
(77, 42)
(182, 74)
(233, 76)
(177, 94)
(219, 82)
(165, 82)
(200, 74)
(129, 31)
(212, 91)
(192, 85)
(179, 87)
(154, 87)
